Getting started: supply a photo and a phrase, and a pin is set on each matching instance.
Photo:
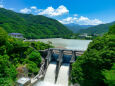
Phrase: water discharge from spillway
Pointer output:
(49, 79)
(63, 75)
(50, 73)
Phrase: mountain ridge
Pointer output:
(76, 27)
(32, 26)
(98, 29)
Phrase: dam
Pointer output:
(57, 67)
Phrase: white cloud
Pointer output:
(82, 18)
(33, 7)
(82, 21)
(38, 10)
(68, 20)
(1, 6)
(25, 10)
(50, 11)
(86, 21)
(75, 15)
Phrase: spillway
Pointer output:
(63, 75)
(50, 73)
(49, 79)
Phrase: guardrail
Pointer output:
(40, 75)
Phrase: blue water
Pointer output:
(66, 58)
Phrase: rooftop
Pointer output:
(15, 34)
(23, 80)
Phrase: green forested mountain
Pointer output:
(31, 26)
(75, 27)
(99, 29)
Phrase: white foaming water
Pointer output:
(43, 83)
(49, 79)
(63, 75)
(50, 73)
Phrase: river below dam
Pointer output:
(62, 80)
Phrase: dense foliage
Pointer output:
(15, 53)
(92, 68)
(32, 26)
(99, 29)
(110, 76)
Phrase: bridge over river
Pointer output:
(56, 67)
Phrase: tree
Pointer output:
(32, 68)
(88, 68)
(35, 57)
(7, 72)
(3, 36)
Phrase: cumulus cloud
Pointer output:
(1, 6)
(50, 11)
(25, 10)
(82, 21)
(86, 21)
(38, 10)
(68, 20)
(33, 7)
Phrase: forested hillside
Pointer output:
(32, 26)
(96, 67)
(75, 27)
(99, 29)
(16, 54)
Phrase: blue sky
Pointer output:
(84, 12)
